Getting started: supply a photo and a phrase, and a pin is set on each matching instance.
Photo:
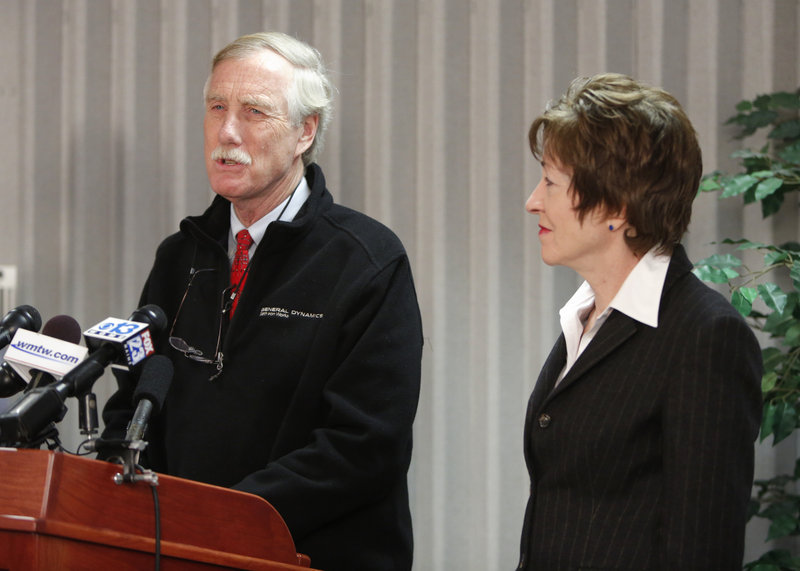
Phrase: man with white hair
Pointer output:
(295, 329)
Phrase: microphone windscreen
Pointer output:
(153, 316)
(154, 381)
(63, 327)
(22, 317)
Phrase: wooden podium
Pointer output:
(59, 511)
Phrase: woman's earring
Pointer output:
(611, 227)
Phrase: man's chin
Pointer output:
(227, 192)
(227, 186)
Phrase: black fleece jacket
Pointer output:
(314, 407)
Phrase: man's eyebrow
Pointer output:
(257, 101)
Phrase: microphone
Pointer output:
(10, 381)
(21, 317)
(150, 393)
(61, 327)
(39, 408)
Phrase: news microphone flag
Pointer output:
(132, 336)
(29, 350)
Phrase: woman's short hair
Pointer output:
(631, 150)
(311, 90)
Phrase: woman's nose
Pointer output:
(534, 202)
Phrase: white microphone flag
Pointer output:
(29, 350)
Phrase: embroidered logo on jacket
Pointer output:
(285, 313)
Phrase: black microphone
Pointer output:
(10, 381)
(21, 317)
(150, 393)
(64, 328)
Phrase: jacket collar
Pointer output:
(614, 332)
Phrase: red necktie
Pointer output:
(240, 261)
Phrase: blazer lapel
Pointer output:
(549, 373)
(617, 329)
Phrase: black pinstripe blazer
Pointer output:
(642, 457)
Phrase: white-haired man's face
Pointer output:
(253, 153)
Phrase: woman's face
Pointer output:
(565, 240)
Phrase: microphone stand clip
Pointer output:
(131, 471)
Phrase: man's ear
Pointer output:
(310, 125)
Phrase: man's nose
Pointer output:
(229, 130)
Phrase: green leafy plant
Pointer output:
(768, 296)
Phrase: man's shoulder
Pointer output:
(172, 243)
(377, 239)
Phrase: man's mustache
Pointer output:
(236, 155)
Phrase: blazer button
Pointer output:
(544, 420)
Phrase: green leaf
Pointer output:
(791, 153)
(753, 506)
(794, 273)
(782, 526)
(715, 275)
(785, 421)
(746, 244)
(768, 382)
(762, 567)
(767, 187)
(722, 261)
(775, 560)
(754, 160)
(737, 185)
(771, 204)
(786, 130)
(792, 335)
(778, 323)
(755, 120)
(772, 358)
(762, 174)
(709, 185)
(762, 101)
(775, 257)
(785, 99)
(768, 420)
(773, 296)
(718, 268)
(743, 298)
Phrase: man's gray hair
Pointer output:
(311, 90)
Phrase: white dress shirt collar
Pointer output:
(285, 211)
